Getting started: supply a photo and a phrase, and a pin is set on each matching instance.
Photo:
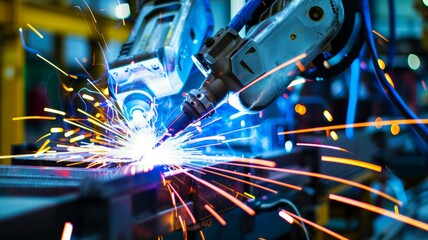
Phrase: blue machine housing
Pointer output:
(156, 59)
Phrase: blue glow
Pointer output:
(242, 123)
(353, 97)
(288, 146)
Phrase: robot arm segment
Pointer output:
(231, 63)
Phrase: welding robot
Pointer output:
(172, 40)
(284, 39)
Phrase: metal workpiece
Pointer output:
(116, 203)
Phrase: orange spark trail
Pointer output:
(286, 217)
(249, 195)
(192, 218)
(104, 96)
(88, 97)
(328, 231)
(57, 130)
(35, 31)
(328, 116)
(357, 125)
(322, 146)
(105, 42)
(202, 235)
(42, 137)
(221, 192)
(33, 117)
(352, 162)
(183, 227)
(215, 215)
(42, 148)
(99, 123)
(84, 127)
(381, 211)
(71, 132)
(173, 202)
(243, 181)
(68, 89)
(275, 69)
(230, 189)
(54, 111)
(220, 159)
(53, 65)
(68, 230)
(327, 177)
(424, 85)
(90, 10)
(255, 177)
(300, 66)
(84, 69)
(380, 35)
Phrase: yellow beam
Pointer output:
(11, 84)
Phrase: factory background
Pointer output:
(70, 39)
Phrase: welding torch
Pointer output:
(259, 67)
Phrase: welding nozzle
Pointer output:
(199, 104)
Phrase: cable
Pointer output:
(390, 92)
(274, 205)
(392, 35)
(242, 17)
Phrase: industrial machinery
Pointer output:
(251, 69)
(156, 59)
(312, 38)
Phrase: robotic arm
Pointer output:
(156, 59)
(259, 67)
